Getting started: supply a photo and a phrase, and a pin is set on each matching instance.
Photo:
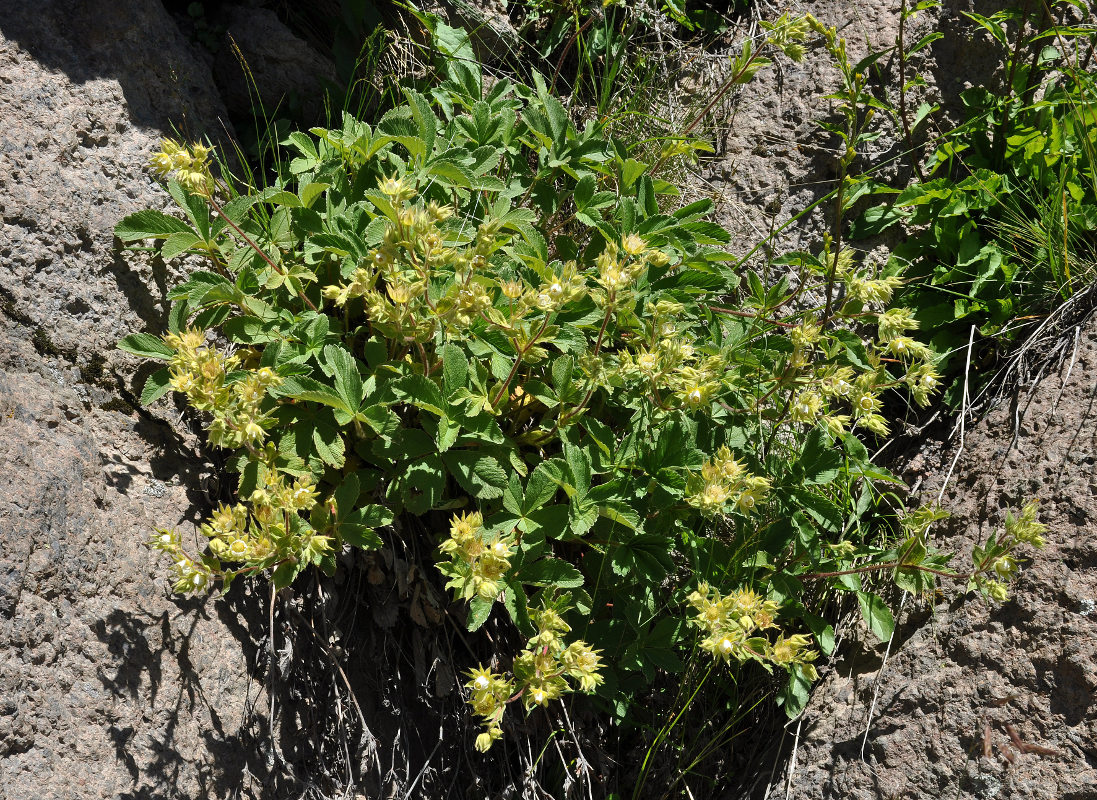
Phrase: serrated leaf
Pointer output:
(820, 461)
(542, 486)
(579, 466)
(149, 224)
(455, 368)
(877, 615)
(479, 611)
(479, 475)
(620, 514)
(347, 494)
(157, 385)
(301, 387)
(310, 191)
(344, 368)
(550, 572)
(797, 692)
(421, 392)
(329, 445)
(146, 345)
(373, 516)
(178, 243)
(823, 632)
(645, 557)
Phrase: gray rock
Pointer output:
(262, 60)
(109, 687)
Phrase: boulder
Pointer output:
(109, 686)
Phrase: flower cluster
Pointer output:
(189, 164)
(201, 372)
(540, 674)
(735, 626)
(476, 562)
(191, 575)
(270, 532)
(789, 34)
(999, 557)
(724, 480)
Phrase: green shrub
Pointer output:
(1003, 223)
(481, 317)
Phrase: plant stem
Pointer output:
(253, 245)
(518, 361)
(889, 565)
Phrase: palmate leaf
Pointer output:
(643, 556)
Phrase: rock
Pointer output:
(109, 686)
(280, 67)
(774, 160)
(87, 91)
(493, 36)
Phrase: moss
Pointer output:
(119, 405)
(42, 343)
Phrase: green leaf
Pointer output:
(584, 191)
(877, 615)
(157, 385)
(820, 461)
(178, 243)
(328, 445)
(514, 599)
(284, 574)
(631, 170)
(822, 630)
(346, 496)
(448, 432)
(620, 514)
(423, 485)
(644, 557)
(542, 486)
(455, 368)
(797, 693)
(150, 224)
(424, 118)
(579, 466)
(381, 418)
(344, 368)
(479, 475)
(421, 392)
(372, 516)
(825, 512)
(301, 387)
(550, 572)
(479, 611)
(146, 345)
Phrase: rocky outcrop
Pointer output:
(109, 687)
(262, 63)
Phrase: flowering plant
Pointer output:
(479, 314)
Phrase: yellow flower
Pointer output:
(634, 245)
